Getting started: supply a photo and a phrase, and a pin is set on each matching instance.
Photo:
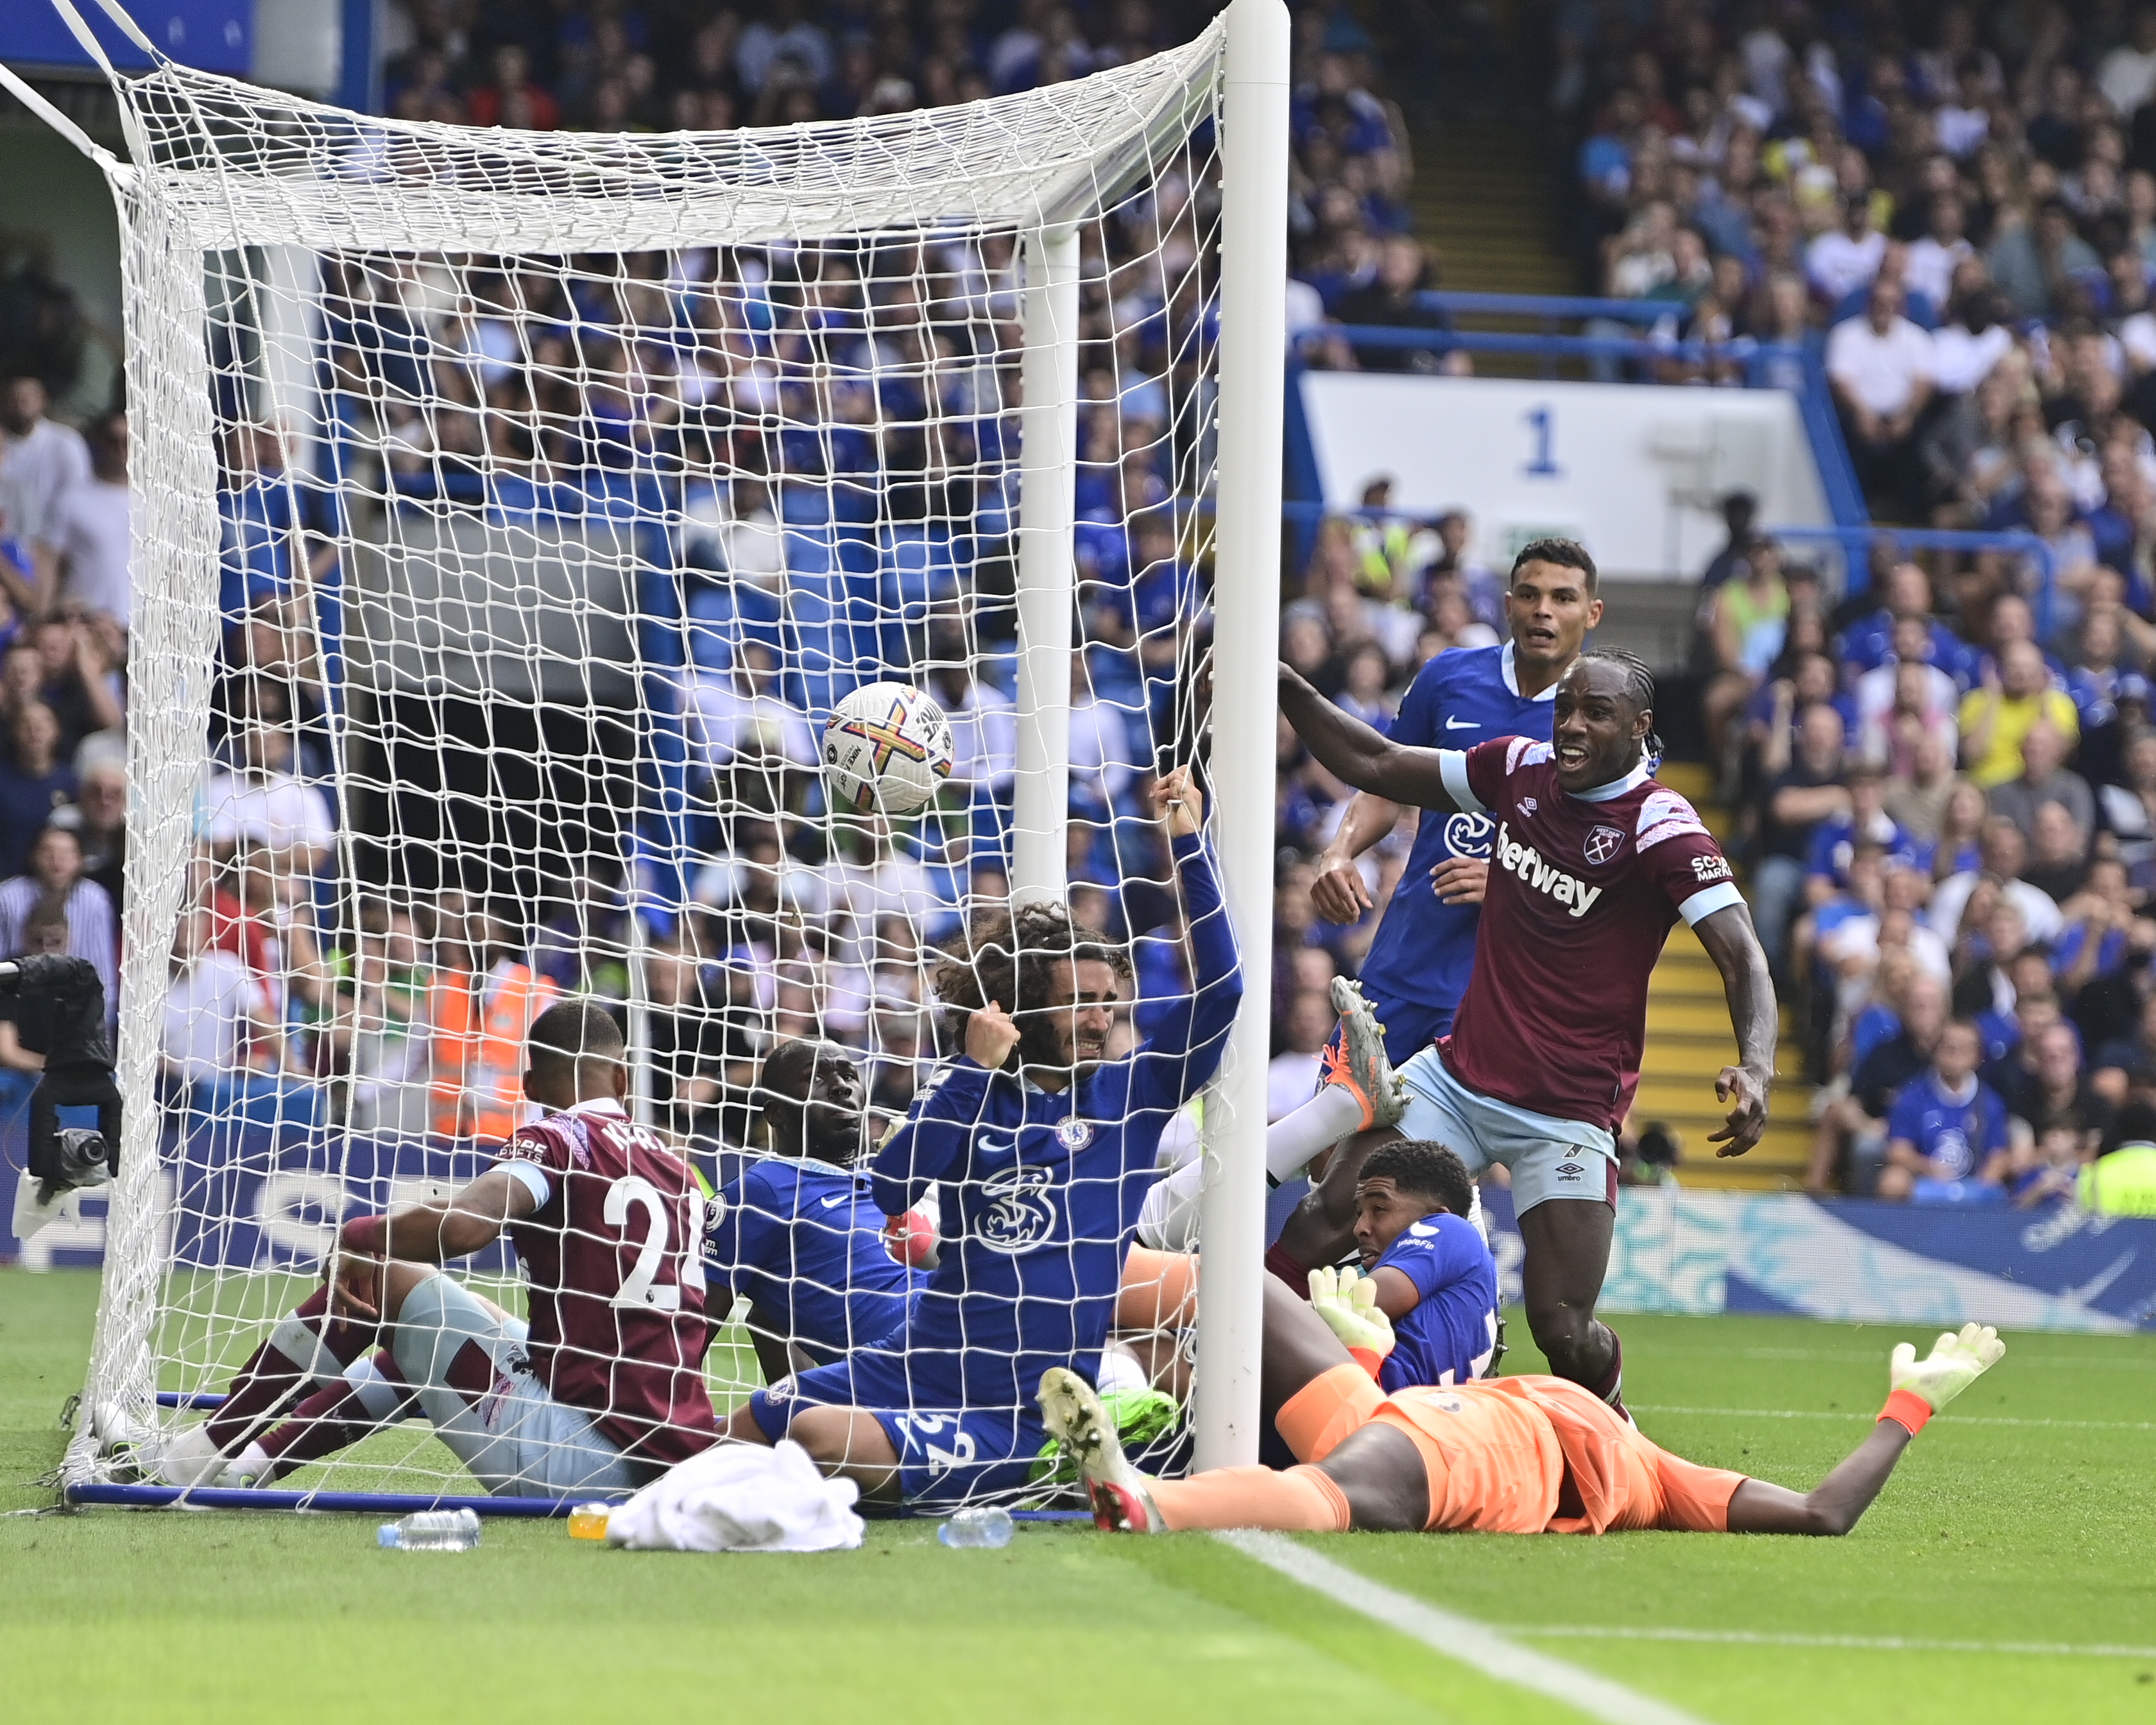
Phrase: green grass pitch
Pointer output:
(2025, 1519)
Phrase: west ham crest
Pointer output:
(1604, 843)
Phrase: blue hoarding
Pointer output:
(214, 35)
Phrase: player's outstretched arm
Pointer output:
(1731, 942)
(1193, 1031)
(1361, 757)
(1919, 1388)
(467, 1221)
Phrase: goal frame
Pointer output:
(1253, 166)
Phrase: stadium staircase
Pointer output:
(1481, 195)
(1689, 1041)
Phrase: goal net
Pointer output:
(512, 509)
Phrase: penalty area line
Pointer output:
(1458, 1638)
(1857, 1413)
(1773, 1638)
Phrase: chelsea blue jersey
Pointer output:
(1424, 950)
(1958, 1134)
(1048, 1185)
(802, 1242)
(1448, 1337)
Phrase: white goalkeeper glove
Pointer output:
(1956, 1362)
(1348, 1300)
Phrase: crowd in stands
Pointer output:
(1954, 207)
(1950, 824)
(1948, 797)
(824, 431)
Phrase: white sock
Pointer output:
(1320, 1123)
(1168, 1221)
(252, 1464)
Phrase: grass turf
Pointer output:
(2022, 1517)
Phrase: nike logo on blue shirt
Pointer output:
(1463, 725)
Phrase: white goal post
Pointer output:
(438, 402)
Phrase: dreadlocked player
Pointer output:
(1592, 863)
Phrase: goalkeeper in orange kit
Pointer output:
(1525, 1455)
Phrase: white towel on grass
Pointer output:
(740, 1497)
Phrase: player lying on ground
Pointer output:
(1594, 863)
(1424, 949)
(1050, 1147)
(1526, 1454)
(796, 1233)
(1429, 1267)
(602, 1390)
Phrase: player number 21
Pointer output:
(638, 1288)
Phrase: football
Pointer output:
(886, 750)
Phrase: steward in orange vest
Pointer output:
(479, 1025)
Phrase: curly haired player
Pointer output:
(1051, 1145)
(1526, 1454)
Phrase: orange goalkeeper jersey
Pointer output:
(1536, 1455)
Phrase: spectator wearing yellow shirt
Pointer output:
(1997, 718)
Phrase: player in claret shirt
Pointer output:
(602, 1390)
(1591, 863)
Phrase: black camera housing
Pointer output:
(59, 1002)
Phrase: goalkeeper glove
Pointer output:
(1348, 1300)
(1922, 1388)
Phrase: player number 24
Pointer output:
(638, 1288)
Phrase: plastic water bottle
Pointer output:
(433, 1530)
(988, 1529)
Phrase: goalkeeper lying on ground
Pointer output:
(1526, 1454)
(603, 1390)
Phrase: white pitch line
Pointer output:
(1762, 1638)
(1459, 1638)
(1854, 1414)
(2131, 1362)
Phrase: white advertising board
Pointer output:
(1632, 471)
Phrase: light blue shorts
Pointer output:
(1549, 1158)
(517, 1440)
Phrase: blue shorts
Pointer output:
(1410, 1027)
(948, 1455)
(1549, 1158)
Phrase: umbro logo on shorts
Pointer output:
(1570, 1171)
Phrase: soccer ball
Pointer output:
(886, 750)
